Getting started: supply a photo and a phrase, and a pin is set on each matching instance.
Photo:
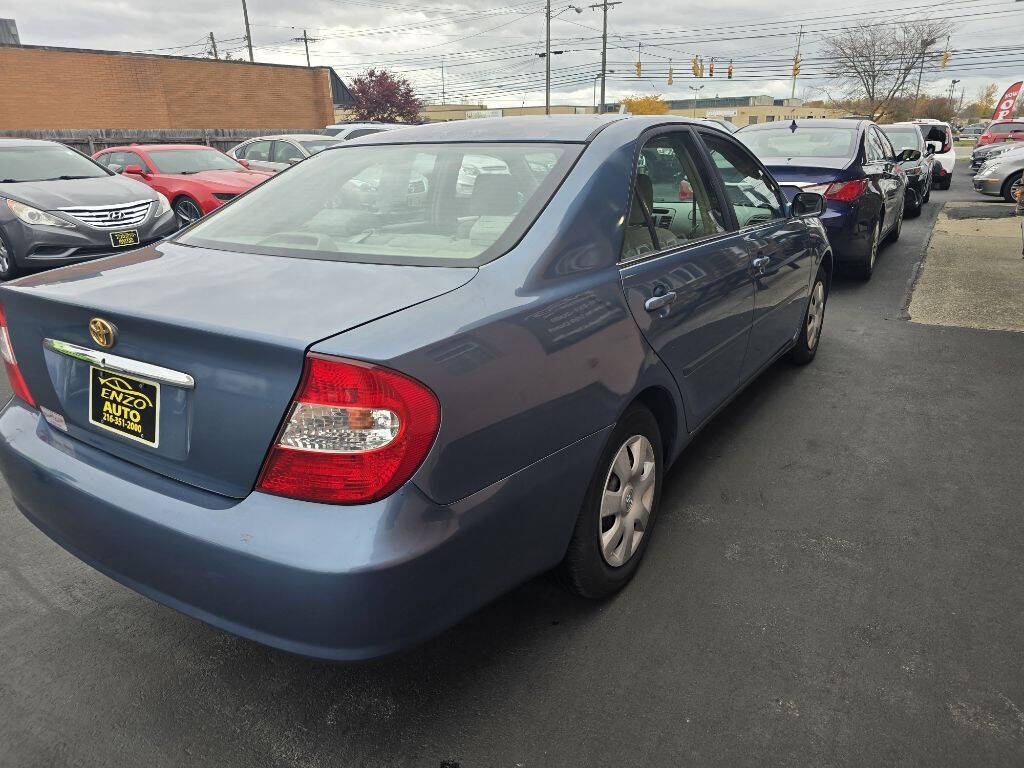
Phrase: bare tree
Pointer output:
(877, 63)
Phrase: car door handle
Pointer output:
(655, 303)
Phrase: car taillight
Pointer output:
(947, 144)
(846, 191)
(18, 385)
(355, 433)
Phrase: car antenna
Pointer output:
(792, 126)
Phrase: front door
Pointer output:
(685, 271)
(781, 260)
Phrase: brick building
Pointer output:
(55, 88)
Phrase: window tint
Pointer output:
(285, 151)
(671, 202)
(362, 132)
(749, 189)
(256, 150)
(393, 204)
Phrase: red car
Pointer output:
(196, 179)
(1002, 130)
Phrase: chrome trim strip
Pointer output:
(107, 207)
(122, 364)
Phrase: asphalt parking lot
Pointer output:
(836, 580)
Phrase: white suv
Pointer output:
(939, 136)
(346, 131)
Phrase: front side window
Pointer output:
(393, 204)
(671, 202)
(285, 151)
(46, 162)
(883, 144)
(255, 150)
(192, 161)
(748, 187)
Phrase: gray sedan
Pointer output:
(275, 153)
(1001, 176)
(58, 206)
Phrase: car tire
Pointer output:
(944, 183)
(187, 210)
(814, 319)
(1012, 183)
(8, 266)
(897, 228)
(866, 267)
(624, 491)
(927, 193)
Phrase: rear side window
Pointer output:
(427, 204)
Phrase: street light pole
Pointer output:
(547, 59)
(696, 90)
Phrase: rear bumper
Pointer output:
(332, 582)
(847, 238)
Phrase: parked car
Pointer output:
(58, 207)
(999, 131)
(1001, 176)
(853, 165)
(919, 172)
(275, 153)
(939, 136)
(196, 179)
(729, 125)
(972, 132)
(347, 131)
(345, 439)
(981, 155)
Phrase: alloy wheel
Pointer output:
(1015, 188)
(5, 260)
(874, 244)
(815, 314)
(627, 500)
(187, 211)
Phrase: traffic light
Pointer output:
(945, 59)
(796, 65)
(730, 69)
(711, 67)
(639, 69)
(695, 67)
(670, 74)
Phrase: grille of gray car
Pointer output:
(111, 216)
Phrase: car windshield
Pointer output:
(191, 161)
(316, 146)
(45, 163)
(805, 141)
(903, 138)
(426, 204)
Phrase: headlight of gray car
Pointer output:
(34, 217)
(988, 170)
(163, 205)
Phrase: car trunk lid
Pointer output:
(238, 324)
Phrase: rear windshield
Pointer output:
(427, 204)
(903, 138)
(45, 163)
(805, 141)
(191, 161)
(1005, 127)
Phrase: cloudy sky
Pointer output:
(488, 50)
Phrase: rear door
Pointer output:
(875, 172)
(685, 271)
(892, 175)
(781, 261)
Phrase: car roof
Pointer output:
(813, 122)
(576, 129)
(294, 137)
(16, 142)
(151, 147)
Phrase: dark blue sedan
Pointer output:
(338, 427)
(850, 162)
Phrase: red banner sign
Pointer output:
(1004, 107)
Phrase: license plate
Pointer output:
(122, 239)
(124, 404)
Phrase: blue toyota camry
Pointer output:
(336, 424)
(853, 164)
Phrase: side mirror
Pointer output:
(135, 169)
(115, 168)
(808, 205)
(908, 155)
(294, 161)
(243, 163)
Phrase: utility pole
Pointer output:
(547, 59)
(248, 32)
(920, 74)
(307, 40)
(442, 81)
(796, 60)
(213, 45)
(604, 5)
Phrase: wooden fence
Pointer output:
(91, 141)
